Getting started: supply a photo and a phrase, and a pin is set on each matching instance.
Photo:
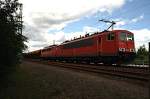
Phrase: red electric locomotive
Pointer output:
(107, 47)
(113, 46)
(48, 51)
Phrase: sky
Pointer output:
(49, 21)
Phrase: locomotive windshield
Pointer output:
(126, 37)
(130, 37)
(123, 36)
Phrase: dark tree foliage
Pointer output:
(11, 41)
(142, 52)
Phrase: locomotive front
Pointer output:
(126, 47)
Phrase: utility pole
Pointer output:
(18, 18)
(53, 42)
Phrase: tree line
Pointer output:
(142, 55)
(11, 41)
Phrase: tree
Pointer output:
(142, 55)
(142, 52)
(11, 40)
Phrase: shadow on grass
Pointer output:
(8, 80)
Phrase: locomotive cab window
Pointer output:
(130, 37)
(111, 36)
(126, 37)
(123, 36)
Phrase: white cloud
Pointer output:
(34, 45)
(121, 22)
(88, 29)
(58, 37)
(134, 20)
(50, 13)
(41, 16)
(142, 36)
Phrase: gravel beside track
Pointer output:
(49, 82)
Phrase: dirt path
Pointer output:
(46, 82)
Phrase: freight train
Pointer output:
(108, 47)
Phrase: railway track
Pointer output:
(131, 72)
(137, 73)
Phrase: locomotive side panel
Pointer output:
(86, 48)
(45, 53)
(109, 44)
(58, 52)
(67, 52)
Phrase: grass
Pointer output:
(33, 81)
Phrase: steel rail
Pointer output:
(117, 71)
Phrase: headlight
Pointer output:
(132, 50)
(122, 49)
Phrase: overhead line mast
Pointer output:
(18, 18)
